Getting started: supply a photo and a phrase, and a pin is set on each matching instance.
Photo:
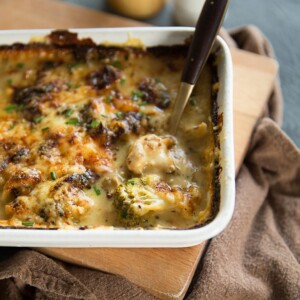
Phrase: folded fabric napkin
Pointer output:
(256, 257)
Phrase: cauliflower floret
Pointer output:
(111, 182)
(58, 203)
(21, 182)
(151, 153)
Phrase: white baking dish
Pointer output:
(143, 238)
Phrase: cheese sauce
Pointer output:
(84, 140)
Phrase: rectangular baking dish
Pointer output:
(137, 237)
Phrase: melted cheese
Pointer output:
(78, 135)
(150, 153)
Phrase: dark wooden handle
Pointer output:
(206, 30)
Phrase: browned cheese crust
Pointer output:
(84, 139)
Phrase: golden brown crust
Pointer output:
(70, 112)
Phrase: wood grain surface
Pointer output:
(165, 273)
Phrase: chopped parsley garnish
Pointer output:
(95, 123)
(68, 113)
(27, 223)
(38, 119)
(45, 128)
(143, 103)
(97, 191)
(193, 101)
(73, 121)
(104, 116)
(53, 175)
(20, 65)
(132, 182)
(72, 66)
(69, 85)
(12, 126)
(124, 214)
(108, 99)
(10, 108)
(119, 114)
(9, 81)
(122, 81)
(116, 64)
(136, 95)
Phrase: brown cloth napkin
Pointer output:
(256, 257)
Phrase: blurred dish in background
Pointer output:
(138, 9)
(186, 12)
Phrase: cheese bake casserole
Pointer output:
(84, 139)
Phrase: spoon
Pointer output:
(206, 31)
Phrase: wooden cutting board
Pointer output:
(165, 273)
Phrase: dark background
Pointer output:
(279, 20)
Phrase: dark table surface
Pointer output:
(279, 20)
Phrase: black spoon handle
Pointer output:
(206, 30)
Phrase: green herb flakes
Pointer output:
(116, 64)
(143, 103)
(38, 119)
(193, 101)
(71, 66)
(20, 65)
(53, 175)
(132, 182)
(97, 191)
(11, 108)
(73, 121)
(119, 114)
(68, 113)
(136, 95)
(27, 223)
(122, 81)
(95, 123)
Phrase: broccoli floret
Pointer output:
(136, 198)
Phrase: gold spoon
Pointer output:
(206, 30)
